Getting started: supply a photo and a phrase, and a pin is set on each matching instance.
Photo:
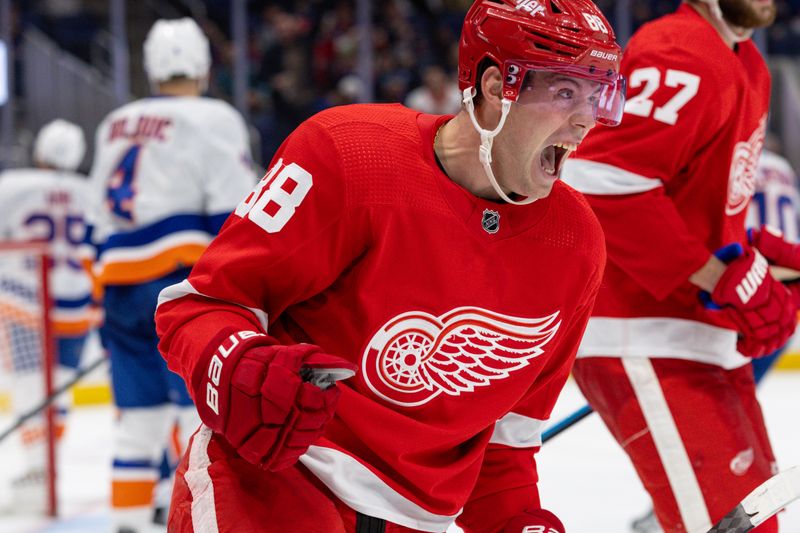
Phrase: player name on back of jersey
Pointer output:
(58, 197)
(146, 127)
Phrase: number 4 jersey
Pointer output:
(670, 185)
(167, 172)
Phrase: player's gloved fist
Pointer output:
(760, 306)
(251, 392)
(534, 521)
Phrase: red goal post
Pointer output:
(27, 350)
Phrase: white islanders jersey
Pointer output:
(49, 206)
(776, 200)
(167, 172)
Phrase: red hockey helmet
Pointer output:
(570, 36)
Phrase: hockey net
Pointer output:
(26, 374)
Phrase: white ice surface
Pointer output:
(585, 478)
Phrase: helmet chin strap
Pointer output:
(487, 138)
(735, 34)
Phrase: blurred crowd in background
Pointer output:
(302, 54)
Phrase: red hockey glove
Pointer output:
(252, 391)
(771, 244)
(760, 306)
(781, 253)
(535, 521)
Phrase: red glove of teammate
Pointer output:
(770, 243)
(251, 392)
(760, 306)
(535, 521)
(780, 253)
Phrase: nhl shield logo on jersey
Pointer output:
(415, 356)
(742, 178)
(490, 221)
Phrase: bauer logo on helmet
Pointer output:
(603, 55)
(532, 7)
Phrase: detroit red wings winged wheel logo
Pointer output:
(416, 356)
(742, 178)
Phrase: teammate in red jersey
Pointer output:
(669, 376)
(436, 256)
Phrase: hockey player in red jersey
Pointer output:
(669, 376)
(434, 266)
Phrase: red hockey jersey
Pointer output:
(670, 185)
(464, 315)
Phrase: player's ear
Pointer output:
(492, 87)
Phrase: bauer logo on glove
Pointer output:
(215, 365)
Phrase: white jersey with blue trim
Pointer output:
(776, 200)
(49, 206)
(167, 172)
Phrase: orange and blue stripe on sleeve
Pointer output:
(153, 251)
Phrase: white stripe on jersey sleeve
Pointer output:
(184, 288)
(590, 177)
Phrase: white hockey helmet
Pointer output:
(60, 144)
(176, 48)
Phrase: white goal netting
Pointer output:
(26, 375)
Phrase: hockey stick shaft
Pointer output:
(566, 423)
(762, 503)
(47, 401)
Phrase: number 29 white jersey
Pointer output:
(48, 206)
(167, 172)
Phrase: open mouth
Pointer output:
(554, 156)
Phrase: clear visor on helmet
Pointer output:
(571, 89)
